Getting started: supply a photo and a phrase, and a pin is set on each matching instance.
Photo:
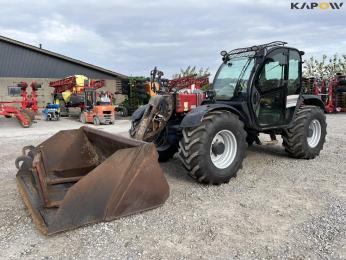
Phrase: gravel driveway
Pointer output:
(277, 207)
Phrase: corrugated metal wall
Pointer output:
(16, 61)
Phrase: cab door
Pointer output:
(268, 95)
(293, 83)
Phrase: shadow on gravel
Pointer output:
(274, 150)
(174, 169)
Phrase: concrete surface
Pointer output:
(277, 207)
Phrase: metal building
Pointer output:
(23, 62)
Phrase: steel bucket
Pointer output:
(83, 176)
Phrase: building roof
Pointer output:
(60, 56)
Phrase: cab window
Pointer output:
(293, 84)
(272, 74)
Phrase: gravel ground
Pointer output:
(277, 207)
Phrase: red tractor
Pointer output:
(27, 107)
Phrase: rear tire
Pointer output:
(209, 160)
(306, 137)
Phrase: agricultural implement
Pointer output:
(256, 90)
(138, 91)
(336, 94)
(51, 112)
(24, 110)
(332, 92)
(9, 111)
(69, 92)
(189, 82)
(102, 177)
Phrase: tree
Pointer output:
(190, 71)
(326, 67)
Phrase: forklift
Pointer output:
(97, 109)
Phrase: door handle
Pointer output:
(256, 98)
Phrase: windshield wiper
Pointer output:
(237, 87)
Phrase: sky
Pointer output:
(133, 36)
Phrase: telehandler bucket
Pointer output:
(84, 176)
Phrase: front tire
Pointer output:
(82, 118)
(213, 152)
(96, 120)
(305, 139)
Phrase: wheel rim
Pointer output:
(225, 155)
(314, 134)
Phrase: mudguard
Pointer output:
(195, 116)
(313, 100)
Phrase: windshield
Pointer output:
(231, 76)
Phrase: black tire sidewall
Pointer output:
(217, 174)
(315, 114)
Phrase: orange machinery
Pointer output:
(97, 109)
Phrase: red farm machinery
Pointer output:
(69, 92)
(140, 89)
(26, 108)
(332, 92)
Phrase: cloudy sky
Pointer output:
(133, 36)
